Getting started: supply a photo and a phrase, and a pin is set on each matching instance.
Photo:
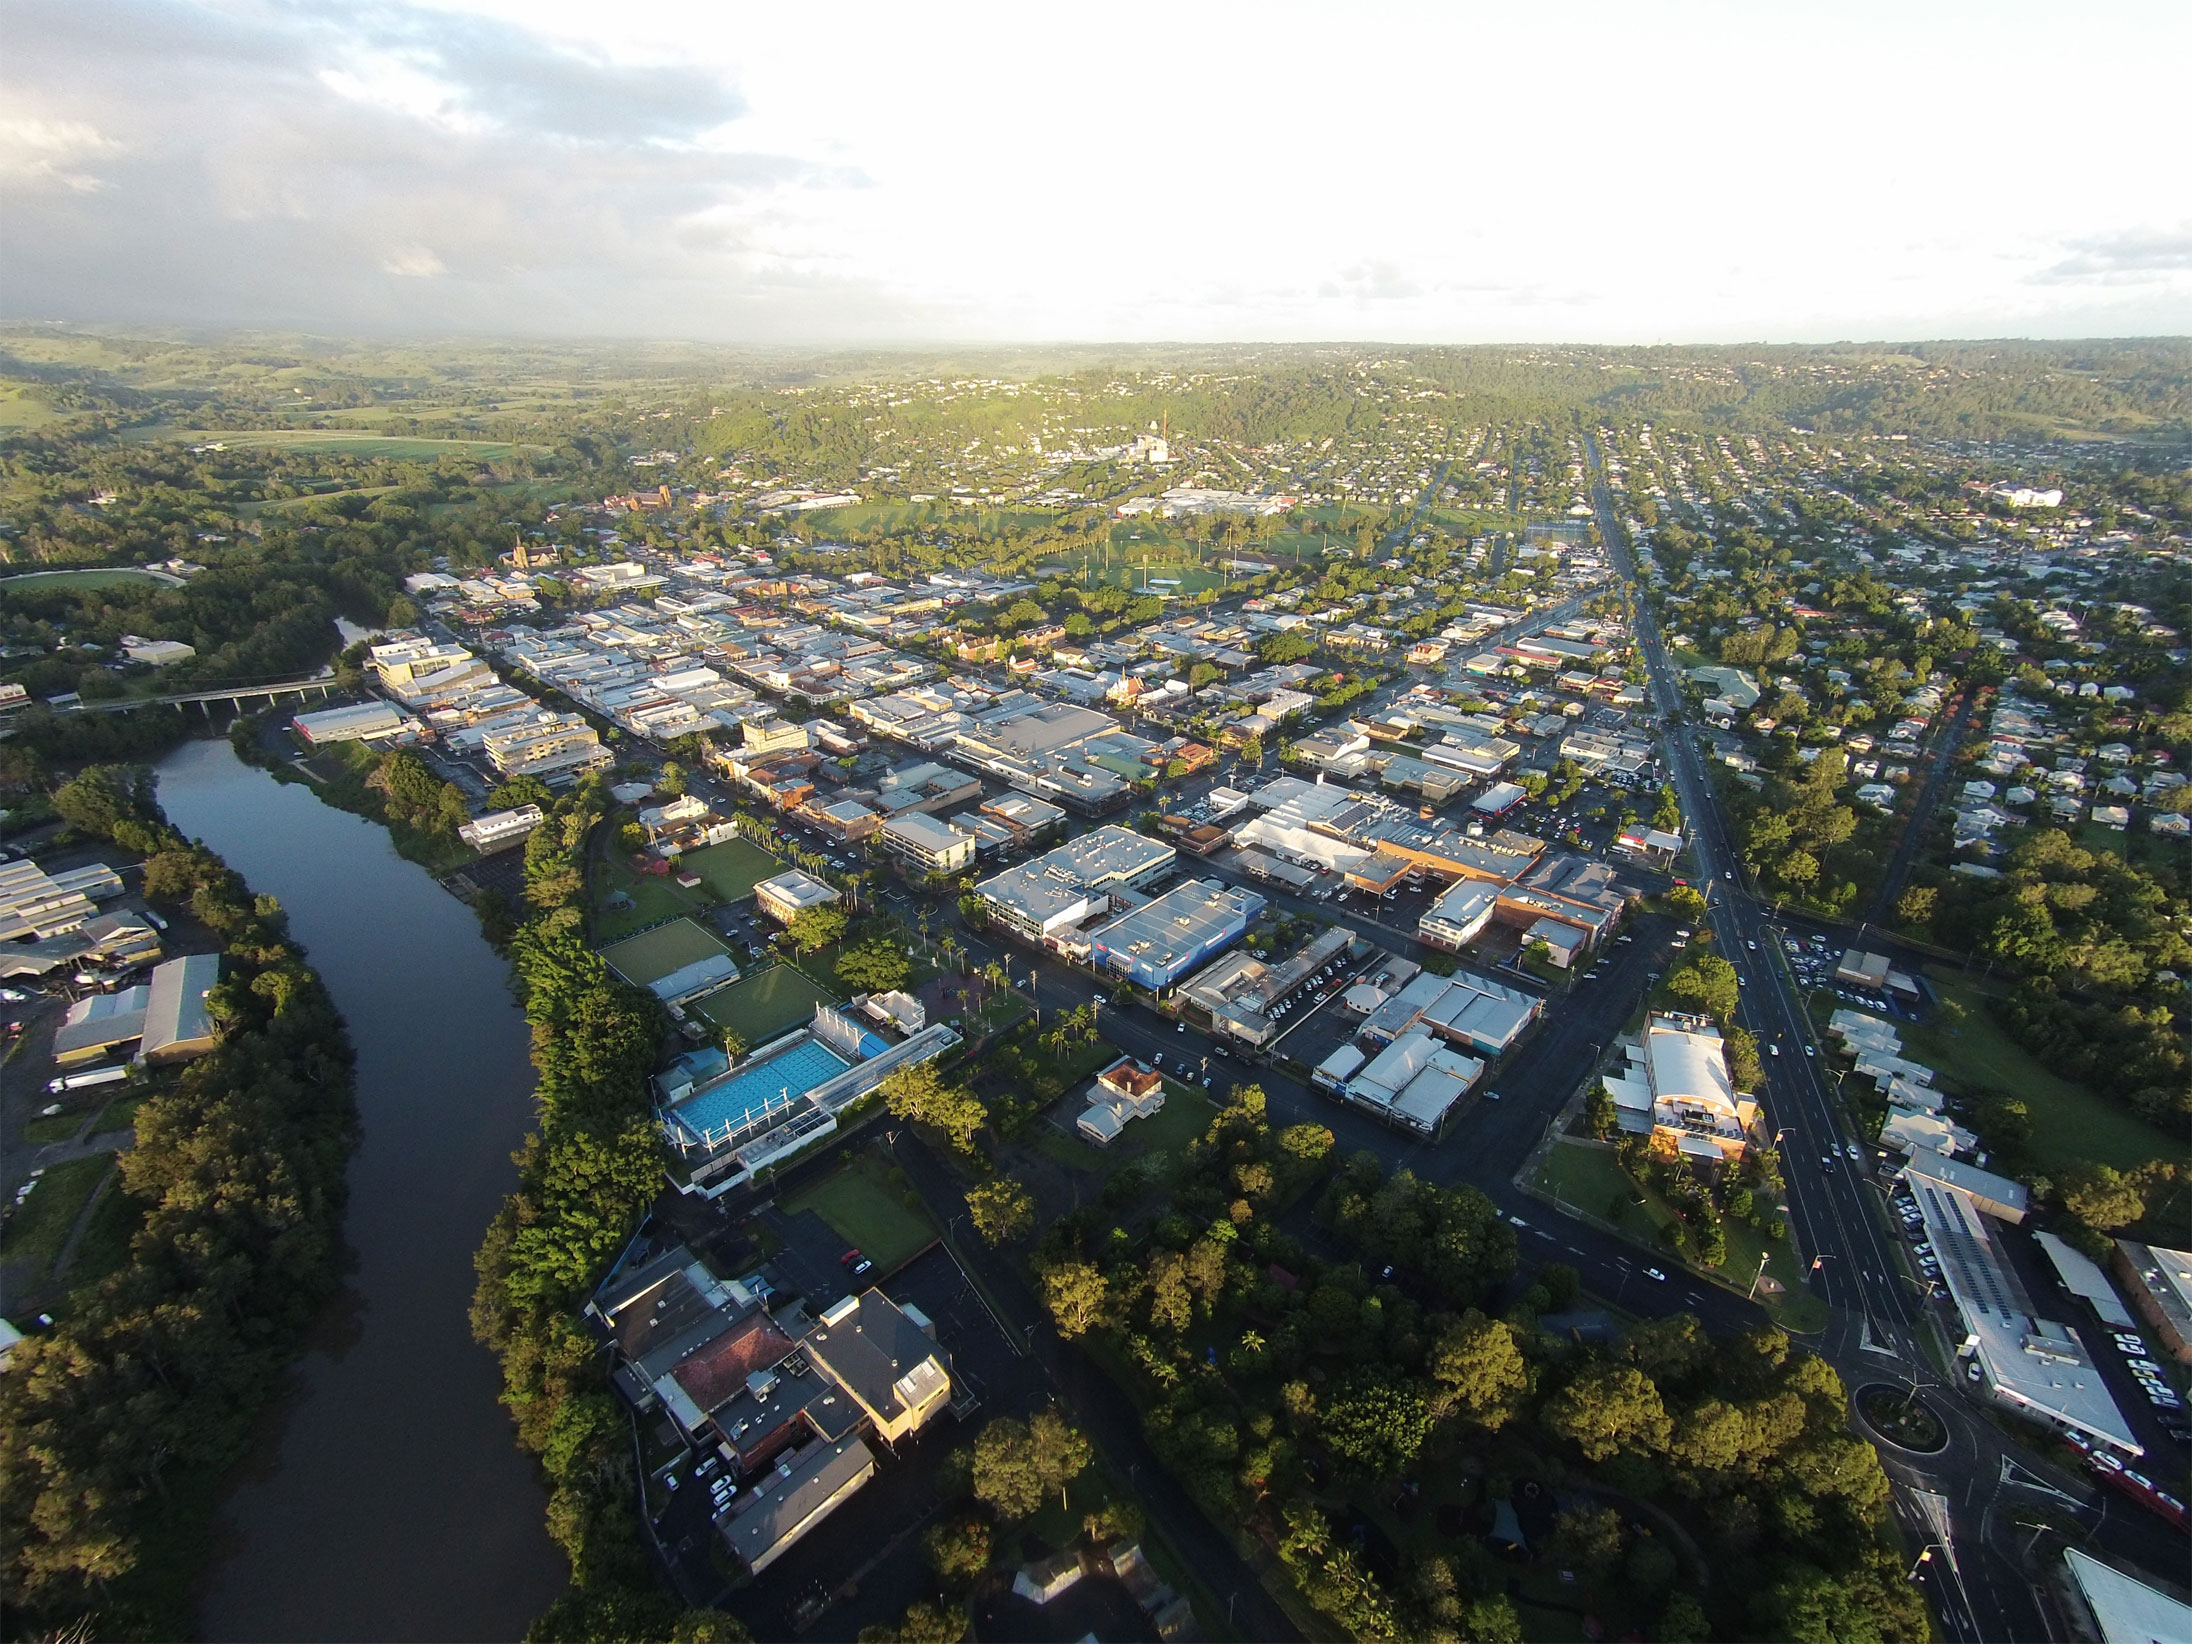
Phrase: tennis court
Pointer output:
(648, 957)
(761, 1007)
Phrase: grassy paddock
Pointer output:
(341, 442)
(870, 1211)
(761, 1007)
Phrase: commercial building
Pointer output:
(178, 1026)
(158, 653)
(1072, 883)
(1414, 1082)
(926, 845)
(499, 830)
(1484, 1016)
(1459, 916)
(2036, 1367)
(1237, 990)
(166, 1017)
(364, 722)
(1156, 944)
(546, 744)
(2107, 1606)
(791, 893)
(758, 737)
(1676, 1087)
(2159, 1282)
(37, 904)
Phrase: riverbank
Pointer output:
(120, 1423)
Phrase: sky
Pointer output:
(1640, 172)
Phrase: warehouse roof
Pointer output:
(177, 1023)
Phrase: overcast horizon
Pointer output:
(940, 178)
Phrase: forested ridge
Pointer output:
(118, 1427)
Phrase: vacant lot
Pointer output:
(732, 869)
(652, 955)
(871, 1213)
(764, 1006)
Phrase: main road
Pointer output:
(1981, 1499)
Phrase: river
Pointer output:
(393, 1503)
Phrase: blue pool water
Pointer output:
(745, 1096)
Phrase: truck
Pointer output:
(86, 1079)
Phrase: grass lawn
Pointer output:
(1186, 1115)
(59, 1128)
(121, 1115)
(731, 869)
(104, 1248)
(870, 1211)
(652, 899)
(41, 1223)
(2069, 1122)
(113, 576)
(1590, 1179)
(763, 1006)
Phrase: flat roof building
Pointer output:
(2122, 1609)
(1160, 942)
(1459, 916)
(2159, 1283)
(363, 722)
(1071, 883)
(791, 893)
(2033, 1366)
(1414, 1082)
(927, 845)
(787, 1503)
(499, 830)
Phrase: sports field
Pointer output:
(731, 869)
(654, 954)
(761, 1007)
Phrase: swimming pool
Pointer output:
(736, 1102)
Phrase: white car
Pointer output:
(1654, 1273)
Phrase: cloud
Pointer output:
(2142, 257)
(38, 154)
(679, 168)
(414, 262)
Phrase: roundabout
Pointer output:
(1901, 1418)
